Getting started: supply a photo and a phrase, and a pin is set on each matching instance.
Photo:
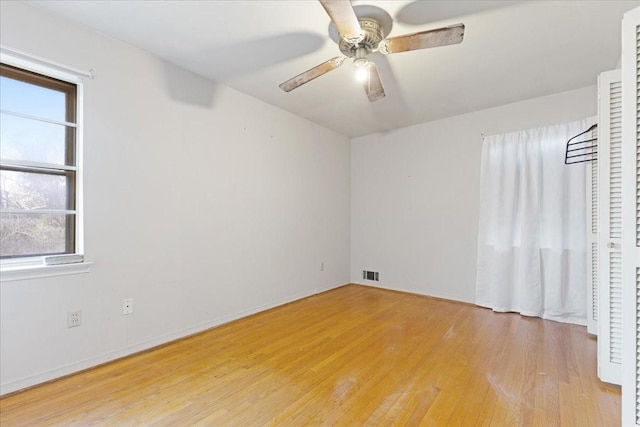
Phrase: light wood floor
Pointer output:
(352, 356)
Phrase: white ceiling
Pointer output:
(512, 50)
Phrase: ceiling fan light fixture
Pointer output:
(362, 73)
(361, 62)
(362, 65)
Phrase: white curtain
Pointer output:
(532, 229)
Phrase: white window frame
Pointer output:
(23, 268)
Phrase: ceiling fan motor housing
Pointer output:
(373, 35)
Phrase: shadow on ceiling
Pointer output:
(188, 88)
(393, 107)
(244, 58)
(235, 60)
(425, 12)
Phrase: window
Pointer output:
(38, 165)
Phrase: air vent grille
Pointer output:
(371, 275)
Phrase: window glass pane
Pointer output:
(26, 98)
(26, 139)
(33, 187)
(33, 234)
(29, 190)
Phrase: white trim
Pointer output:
(440, 295)
(20, 58)
(79, 167)
(39, 211)
(40, 165)
(38, 119)
(91, 362)
(30, 271)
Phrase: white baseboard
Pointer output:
(39, 378)
(412, 291)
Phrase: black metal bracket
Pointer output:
(581, 151)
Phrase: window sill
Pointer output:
(26, 272)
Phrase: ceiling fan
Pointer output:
(361, 36)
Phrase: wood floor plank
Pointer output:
(351, 356)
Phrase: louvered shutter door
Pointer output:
(592, 240)
(610, 217)
(631, 218)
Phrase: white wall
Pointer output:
(415, 194)
(201, 203)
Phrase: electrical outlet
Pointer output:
(322, 266)
(74, 318)
(127, 306)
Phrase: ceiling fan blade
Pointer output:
(423, 40)
(373, 85)
(311, 74)
(344, 18)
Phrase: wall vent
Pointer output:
(370, 275)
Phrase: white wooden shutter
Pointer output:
(592, 240)
(610, 236)
(631, 218)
